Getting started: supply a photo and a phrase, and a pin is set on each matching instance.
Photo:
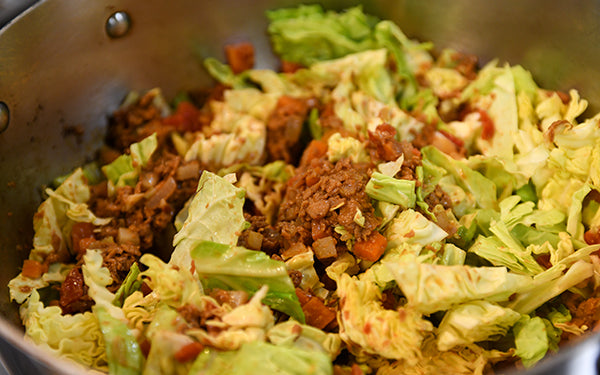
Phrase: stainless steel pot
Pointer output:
(65, 65)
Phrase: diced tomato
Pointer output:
(73, 288)
(145, 347)
(79, 232)
(185, 118)
(592, 236)
(188, 352)
(372, 248)
(454, 139)
(487, 126)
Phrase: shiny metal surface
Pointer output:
(11, 8)
(118, 24)
(60, 69)
(4, 117)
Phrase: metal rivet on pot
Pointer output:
(118, 24)
(4, 116)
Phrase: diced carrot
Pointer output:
(33, 269)
(303, 297)
(372, 248)
(314, 150)
(317, 314)
(188, 352)
(240, 56)
(290, 67)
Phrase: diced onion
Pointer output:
(162, 191)
(187, 171)
(254, 240)
(127, 236)
(324, 248)
(148, 180)
(293, 250)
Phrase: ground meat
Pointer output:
(466, 64)
(323, 195)
(296, 277)
(438, 196)
(196, 316)
(587, 313)
(328, 120)
(271, 239)
(383, 144)
(137, 209)
(284, 129)
(117, 258)
(383, 147)
(142, 212)
(233, 298)
(425, 136)
(134, 123)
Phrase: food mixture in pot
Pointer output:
(371, 206)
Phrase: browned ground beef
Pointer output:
(323, 195)
(118, 258)
(384, 147)
(585, 312)
(438, 196)
(425, 136)
(271, 238)
(328, 120)
(137, 209)
(139, 213)
(134, 123)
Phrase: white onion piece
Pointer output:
(161, 191)
(128, 236)
(324, 248)
(148, 180)
(254, 240)
(187, 171)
